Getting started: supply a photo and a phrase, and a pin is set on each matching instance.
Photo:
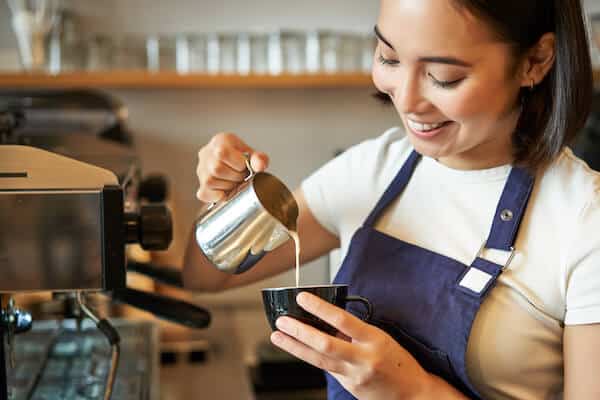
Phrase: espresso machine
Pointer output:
(72, 198)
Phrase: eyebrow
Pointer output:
(380, 37)
(436, 60)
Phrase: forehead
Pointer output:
(418, 27)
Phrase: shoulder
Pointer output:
(571, 214)
(570, 182)
(347, 186)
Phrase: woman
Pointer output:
(489, 93)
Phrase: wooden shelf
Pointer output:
(166, 80)
(147, 80)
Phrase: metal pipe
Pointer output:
(113, 338)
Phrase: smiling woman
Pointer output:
(474, 235)
(475, 51)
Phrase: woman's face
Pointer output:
(452, 82)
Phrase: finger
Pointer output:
(212, 183)
(259, 161)
(307, 354)
(222, 171)
(210, 196)
(231, 157)
(340, 319)
(231, 150)
(319, 341)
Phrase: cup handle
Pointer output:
(365, 302)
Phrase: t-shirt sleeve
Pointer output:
(330, 187)
(341, 191)
(583, 271)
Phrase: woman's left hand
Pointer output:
(370, 364)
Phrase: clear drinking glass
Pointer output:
(100, 53)
(32, 22)
(350, 52)
(160, 53)
(259, 53)
(293, 52)
(66, 50)
(130, 53)
(329, 44)
(195, 57)
(243, 54)
(227, 53)
(369, 43)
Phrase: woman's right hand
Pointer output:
(222, 166)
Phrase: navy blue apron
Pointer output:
(426, 301)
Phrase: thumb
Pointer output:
(259, 161)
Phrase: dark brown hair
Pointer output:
(558, 106)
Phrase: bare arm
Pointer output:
(199, 274)
(581, 352)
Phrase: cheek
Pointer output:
(475, 104)
(381, 78)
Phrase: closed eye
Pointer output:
(445, 84)
(386, 61)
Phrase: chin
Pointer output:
(428, 148)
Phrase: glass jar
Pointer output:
(227, 53)
(369, 43)
(350, 53)
(130, 53)
(161, 53)
(293, 52)
(259, 53)
(100, 53)
(329, 44)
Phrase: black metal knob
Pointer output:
(152, 228)
(154, 188)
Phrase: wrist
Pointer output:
(434, 387)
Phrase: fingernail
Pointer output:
(281, 322)
(301, 298)
(276, 337)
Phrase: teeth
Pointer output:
(417, 126)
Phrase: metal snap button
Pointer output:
(506, 215)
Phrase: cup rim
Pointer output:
(303, 287)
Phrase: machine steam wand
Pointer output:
(113, 339)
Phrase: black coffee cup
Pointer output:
(280, 302)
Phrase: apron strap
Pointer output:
(481, 276)
(395, 188)
(510, 210)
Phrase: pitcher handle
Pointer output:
(249, 167)
(365, 302)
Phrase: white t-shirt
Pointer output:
(515, 347)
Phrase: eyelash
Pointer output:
(438, 83)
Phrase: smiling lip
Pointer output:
(428, 134)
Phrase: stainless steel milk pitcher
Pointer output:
(255, 218)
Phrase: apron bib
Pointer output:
(426, 301)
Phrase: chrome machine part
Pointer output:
(63, 223)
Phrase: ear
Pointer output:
(539, 60)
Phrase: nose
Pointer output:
(408, 96)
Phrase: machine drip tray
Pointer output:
(58, 360)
